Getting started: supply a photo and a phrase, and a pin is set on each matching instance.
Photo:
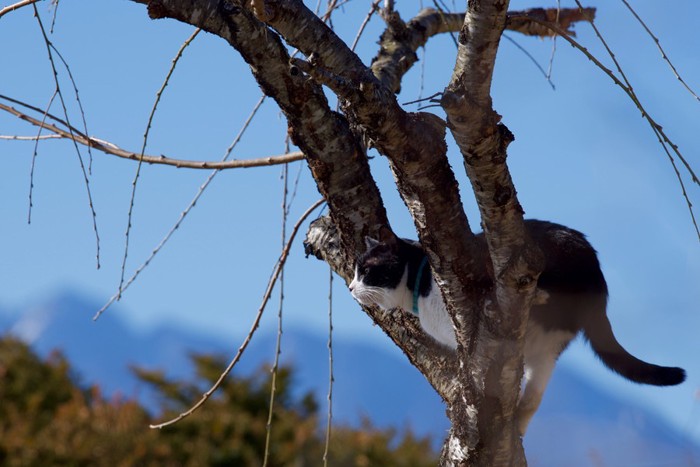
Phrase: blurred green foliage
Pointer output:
(46, 419)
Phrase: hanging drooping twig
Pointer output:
(532, 59)
(256, 322)
(554, 46)
(666, 143)
(278, 340)
(49, 48)
(663, 52)
(114, 150)
(372, 9)
(34, 156)
(77, 100)
(329, 413)
(159, 94)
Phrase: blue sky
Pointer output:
(583, 156)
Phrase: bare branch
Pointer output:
(337, 161)
(29, 138)
(372, 9)
(400, 41)
(545, 73)
(663, 52)
(528, 22)
(415, 145)
(16, 6)
(280, 310)
(114, 150)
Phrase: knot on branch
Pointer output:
(395, 25)
(322, 239)
(156, 9)
(228, 7)
(502, 195)
(262, 10)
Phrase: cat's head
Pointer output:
(378, 274)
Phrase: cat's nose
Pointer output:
(352, 286)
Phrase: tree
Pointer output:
(481, 382)
(47, 419)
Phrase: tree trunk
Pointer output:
(488, 293)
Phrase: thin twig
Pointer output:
(295, 187)
(55, 12)
(329, 416)
(421, 84)
(49, 47)
(430, 98)
(372, 9)
(77, 99)
(114, 150)
(663, 52)
(658, 130)
(16, 6)
(278, 343)
(143, 150)
(34, 156)
(187, 210)
(256, 322)
(532, 59)
(330, 9)
(554, 47)
(29, 138)
(440, 10)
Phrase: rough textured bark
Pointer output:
(400, 41)
(491, 368)
(334, 154)
(487, 293)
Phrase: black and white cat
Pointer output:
(571, 297)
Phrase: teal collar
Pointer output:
(416, 286)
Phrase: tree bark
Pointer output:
(488, 290)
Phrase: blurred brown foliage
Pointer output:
(46, 419)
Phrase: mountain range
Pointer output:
(578, 424)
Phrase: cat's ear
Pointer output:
(386, 237)
(371, 242)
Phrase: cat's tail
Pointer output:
(614, 356)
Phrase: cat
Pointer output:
(571, 297)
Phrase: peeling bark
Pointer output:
(491, 370)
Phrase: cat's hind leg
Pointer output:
(537, 374)
(542, 349)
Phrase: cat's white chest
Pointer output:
(434, 318)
